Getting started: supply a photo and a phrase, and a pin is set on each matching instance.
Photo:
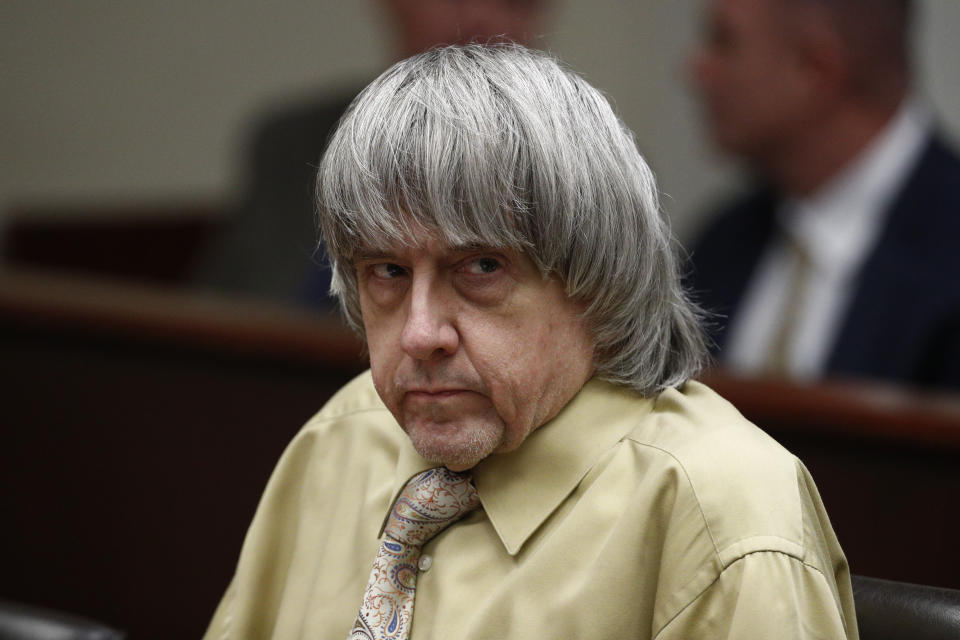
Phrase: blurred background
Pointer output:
(142, 413)
(109, 103)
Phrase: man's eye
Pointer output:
(387, 270)
(482, 266)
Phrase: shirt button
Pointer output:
(425, 563)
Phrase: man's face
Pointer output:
(745, 72)
(470, 348)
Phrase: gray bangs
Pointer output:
(412, 154)
(468, 143)
(500, 146)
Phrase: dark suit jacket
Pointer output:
(903, 323)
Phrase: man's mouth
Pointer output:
(434, 394)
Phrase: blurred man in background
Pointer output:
(268, 249)
(842, 260)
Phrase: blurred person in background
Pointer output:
(267, 249)
(842, 259)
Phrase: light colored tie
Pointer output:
(779, 356)
(429, 503)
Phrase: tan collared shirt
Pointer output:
(623, 517)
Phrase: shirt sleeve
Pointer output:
(764, 595)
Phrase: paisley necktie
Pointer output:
(429, 503)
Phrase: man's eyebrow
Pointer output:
(367, 253)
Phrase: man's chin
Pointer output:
(456, 446)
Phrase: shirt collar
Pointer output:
(520, 489)
(837, 224)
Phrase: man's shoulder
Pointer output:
(745, 487)
(722, 491)
(941, 154)
(355, 413)
(921, 224)
(353, 433)
(726, 251)
(934, 185)
(750, 211)
(695, 424)
(357, 396)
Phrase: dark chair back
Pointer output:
(888, 610)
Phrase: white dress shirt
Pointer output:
(836, 227)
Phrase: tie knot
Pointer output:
(429, 503)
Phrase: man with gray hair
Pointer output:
(527, 456)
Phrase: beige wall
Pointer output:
(109, 102)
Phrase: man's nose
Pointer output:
(429, 331)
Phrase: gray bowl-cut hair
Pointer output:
(501, 146)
